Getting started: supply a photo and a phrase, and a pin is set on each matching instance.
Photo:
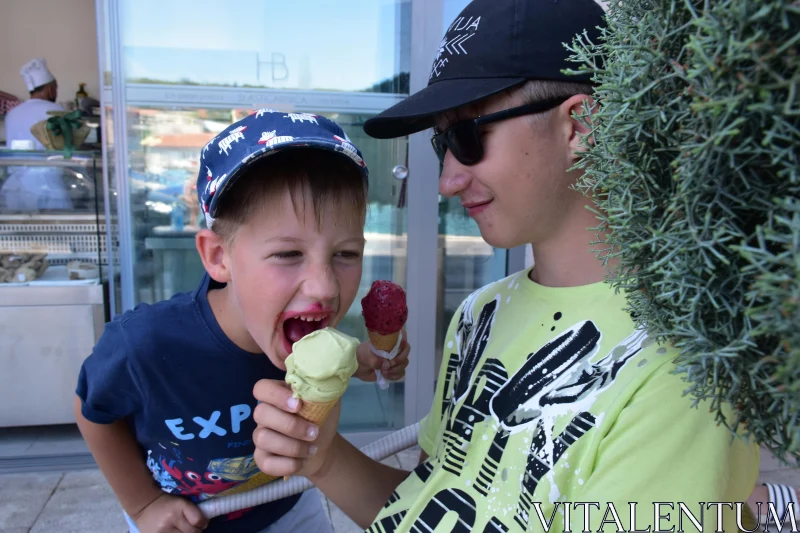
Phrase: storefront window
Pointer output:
(198, 67)
(354, 46)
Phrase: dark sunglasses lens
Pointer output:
(465, 143)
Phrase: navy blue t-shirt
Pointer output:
(187, 391)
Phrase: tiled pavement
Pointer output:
(81, 501)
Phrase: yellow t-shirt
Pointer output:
(550, 397)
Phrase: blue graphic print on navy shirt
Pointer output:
(186, 390)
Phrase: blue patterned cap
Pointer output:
(258, 135)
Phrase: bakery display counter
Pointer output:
(53, 266)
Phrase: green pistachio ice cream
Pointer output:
(321, 364)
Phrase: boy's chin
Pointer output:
(279, 359)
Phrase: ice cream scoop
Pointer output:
(384, 308)
(321, 365)
(385, 313)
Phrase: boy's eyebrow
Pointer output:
(283, 239)
(358, 240)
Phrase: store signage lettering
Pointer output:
(277, 67)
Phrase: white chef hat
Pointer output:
(35, 74)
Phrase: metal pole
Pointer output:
(119, 110)
(426, 32)
(99, 8)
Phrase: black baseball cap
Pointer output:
(494, 45)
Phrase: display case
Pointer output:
(53, 260)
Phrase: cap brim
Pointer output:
(417, 112)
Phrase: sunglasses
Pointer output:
(464, 140)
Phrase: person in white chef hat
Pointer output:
(33, 188)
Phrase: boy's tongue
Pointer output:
(295, 329)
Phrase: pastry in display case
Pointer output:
(21, 268)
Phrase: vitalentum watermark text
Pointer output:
(702, 516)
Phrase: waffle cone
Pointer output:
(384, 343)
(315, 412)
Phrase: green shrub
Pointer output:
(695, 169)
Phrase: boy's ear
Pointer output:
(581, 122)
(214, 254)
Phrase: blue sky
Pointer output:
(345, 45)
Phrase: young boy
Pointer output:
(550, 406)
(167, 393)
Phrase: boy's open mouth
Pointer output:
(297, 327)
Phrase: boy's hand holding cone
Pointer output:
(318, 371)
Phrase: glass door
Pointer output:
(180, 71)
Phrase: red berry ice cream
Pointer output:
(385, 313)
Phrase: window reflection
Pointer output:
(359, 45)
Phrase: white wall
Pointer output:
(61, 31)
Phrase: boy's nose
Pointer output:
(454, 178)
(321, 283)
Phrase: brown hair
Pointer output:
(538, 90)
(320, 176)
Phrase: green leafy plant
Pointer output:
(696, 176)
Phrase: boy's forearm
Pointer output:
(120, 459)
(358, 485)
